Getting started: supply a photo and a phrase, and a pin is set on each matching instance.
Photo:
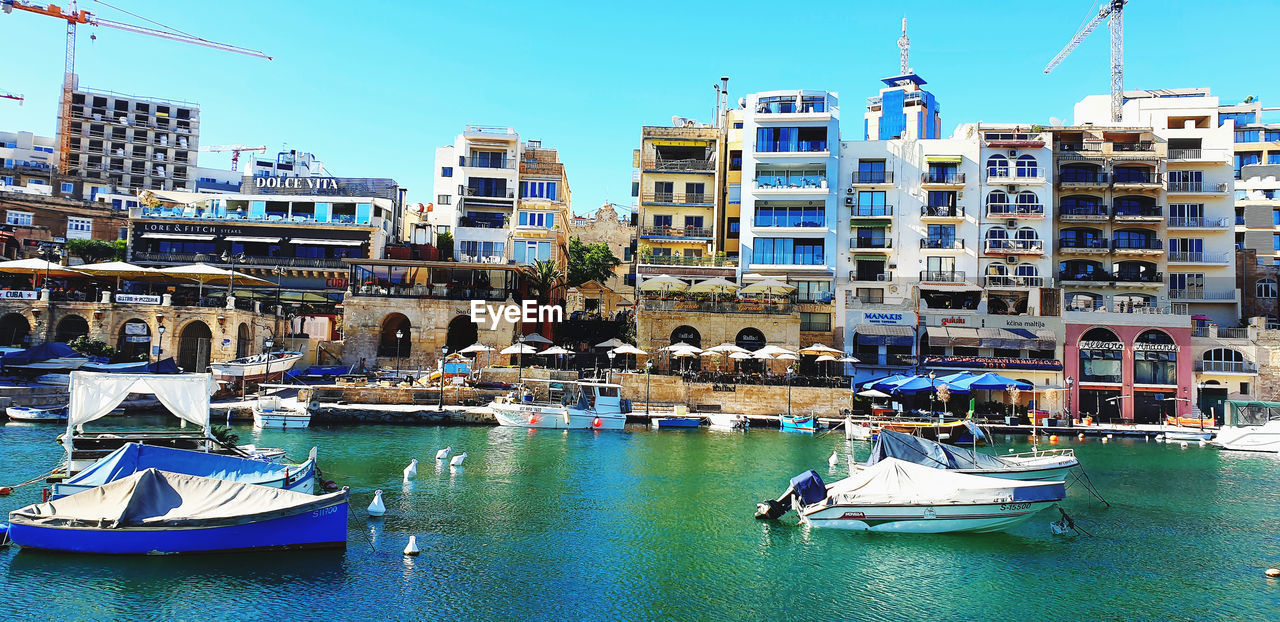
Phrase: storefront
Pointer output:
(884, 342)
(1025, 348)
(1131, 374)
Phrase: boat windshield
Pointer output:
(607, 391)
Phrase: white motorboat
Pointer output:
(563, 405)
(726, 421)
(268, 412)
(904, 497)
(1265, 437)
(1179, 433)
(1050, 464)
(257, 367)
(37, 413)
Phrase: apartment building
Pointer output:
(1257, 205)
(1255, 140)
(28, 163)
(291, 163)
(903, 109)
(543, 216)
(679, 176)
(121, 142)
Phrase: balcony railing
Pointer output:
(1139, 146)
(1131, 178)
(1076, 176)
(809, 182)
(1185, 154)
(1129, 244)
(941, 211)
(1197, 187)
(468, 191)
(1015, 210)
(289, 262)
(951, 178)
(1152, 211)
(942, 276)
(682, 198)
(1138, 277)
(437, 291)
(1091, 243)
(1087, 147)
(677, 260)
(680, 232)
(692, 164)
(1094, 276)
(942, 243)
(864, 243)
(1013, 176)
(872, 177)
(1002, 280)
(1233, 333)
(1229, 367)
(465, 221)
(1199, 257)
(871, 211)
(1198, 222)
(1200, 293)
(1015, 246)
(487, 163)
(698, 306)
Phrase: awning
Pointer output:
(950, 287)
(938, 336)
(874, 224)
(880, 335)
(326, 242)
(950, 159)
(1041, 339)
(961, 336)
(250, 238)
(1000, 338)
(177, 236)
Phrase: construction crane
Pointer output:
(1113, 9)
(14, 96)
(235, 152)
(73, 16)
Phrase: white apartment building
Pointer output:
(27, 163)
(1257, 201)
(291, 163)
(790, 198)
(1197, 190)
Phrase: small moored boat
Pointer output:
(797, 423)
(269, 413)
(153, 512)
(257, 367)
(899, 496)
(725, 421)
(581, 406)
(1049, 464)
(37, 413)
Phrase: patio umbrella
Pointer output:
(740, 355)
(825, 358)
(37, 266)
(991, 382)
(872, 393)
(203, 273)
(555, 351)
(535, 338)
(957, 377)
(774, 350)
(818, 349)
(629, 349)
(518, 348)
(475, 347)
(679, 346)
(612, 343)
(663, 283)
(786, 356)
(728, 348)
(771, 287)
(849, 359)
(713, 286)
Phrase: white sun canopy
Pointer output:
(95, 394)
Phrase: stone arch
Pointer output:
(14, 329)
(128, 349)
(388, 344)
(750, 338)
(686, 334)
(195, 341)
(70, 327)
(462, 333)
(244, 343)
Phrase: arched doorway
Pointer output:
(69, 328)
(133, 341)
(389, 345)
(193, 347)
(1101, 363)
(687, 334)
(750, 339)
(462, 333)
(1155, 362)
(14, 329)
(243, 343)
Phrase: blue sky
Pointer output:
(373, 88)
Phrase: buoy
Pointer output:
(376, 508)
(1183, 444)
(412, 549)
(457, 460)
(411, 471)
(1010, 450)
(1105, 439)
(444, 453)
(1081, 437)
(1053, 440)
(597, 423)
(834, 460)
(1273, 572)
(5, 491)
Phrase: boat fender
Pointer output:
(44, 495)
(1053, 440)
(596, 423)
(1273, 572)
(5, 491)
(329, 485)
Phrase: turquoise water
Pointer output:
(646, 525)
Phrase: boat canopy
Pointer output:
(40, 353)
(922, 451)
(154, 498)
(897, 482)
(95, 394)
(133, 457)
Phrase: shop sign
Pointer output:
(993, 362)
(17, 294)
(888, 318)
(136, 328)
(1155, 347)
(138, 299)
(1101, 345)
(297, 183)
(137, 338)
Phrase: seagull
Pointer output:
(444, 453)
(834, 460)
(376, 508)
(411, 471)
(457, 460)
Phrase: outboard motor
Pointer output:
(808, 487)
(773, 509)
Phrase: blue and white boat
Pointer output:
(798, 423)
(156, 513)
(37, 413)
(1045, 464)
(671, 423)
(134, 457)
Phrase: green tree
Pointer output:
(444, 242)
(543, 279)
(92, 251)
(590, 262)
(91, 347)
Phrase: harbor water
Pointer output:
(644, 524)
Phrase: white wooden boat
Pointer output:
(269, 413)
(904, 497)
(581, 406)
(37, 413)
(257, 367)
(727, 421)
(1179, 433)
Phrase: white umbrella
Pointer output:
(535, 338)
(628, 349)
(612, 343)
(683, 353)
(771, 287)
(825, 358)
(873, 393)
(774, 350)
(555, 350)
(762, 355)
(727, 347)
(849, 359)
(740, 355)
(475, 347)
(37, 266)
(686, 348)
(663, 283)
(680, 345)
(786, 357)
(518, 348)
(713, 286)
(819, 349)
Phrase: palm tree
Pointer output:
(543, 278)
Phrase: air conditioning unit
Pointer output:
(849, 201)
(1011, 259)
(1013, 152)
(1012, 224)
(893, 289)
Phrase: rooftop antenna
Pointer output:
(904, 44)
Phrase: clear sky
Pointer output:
(372, 88)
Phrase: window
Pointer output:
(1247, 136)
(790, 215)
(815, 321)
(1155, 359)
(1101, 354)
(479, 249)
(791, 139)
(538, 190)
(22, 219)
(695, 192)
(813, 291)
(737, 125)
(79, 228)
(446, 171)
(544, 220)
(941, 236)
(526, 251)
(1027, 166)
(68, 188)
(788, 251)
(735, 157)
(693, 222)
(1273, 158)
(443, 199)
(661, 220)
(734, 227)
(997, 166)
(7, 180)
(1266, 288)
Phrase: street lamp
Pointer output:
(399, 336)
(443, 353)
(609, 376)
(232, 259)
(932, 391)
(159, 346)
(279, 272)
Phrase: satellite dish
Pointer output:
(678, 121)
(1055, 121)
(742, 102)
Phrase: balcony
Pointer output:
(870, 244)
(1015, 210)
(1198, 222)
(1196, 187)
(796, 185)
(483, 223)
(1085, 276)
(696, 306)
(1089, 246)
(1150, 214)
(1014, 247)
(487, 163)
(1137, 147)
(1220, 259)
(942, 244)
(678, 198)
(1139, 180)
(468, 191)
(1186, 154)
(941, 276)
(692, 165)
(698, 260)
(1002, 280)
(676, 232)
(1133, 276)
(1128, 246)
(872, 178)
(941, 212)
(871, 211)
(1200, 293)
(1227, 367)
(1088, 149)
(812, 148)
(1014, 140)
(942, 179)
(1075, 178)
(1005, 177)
